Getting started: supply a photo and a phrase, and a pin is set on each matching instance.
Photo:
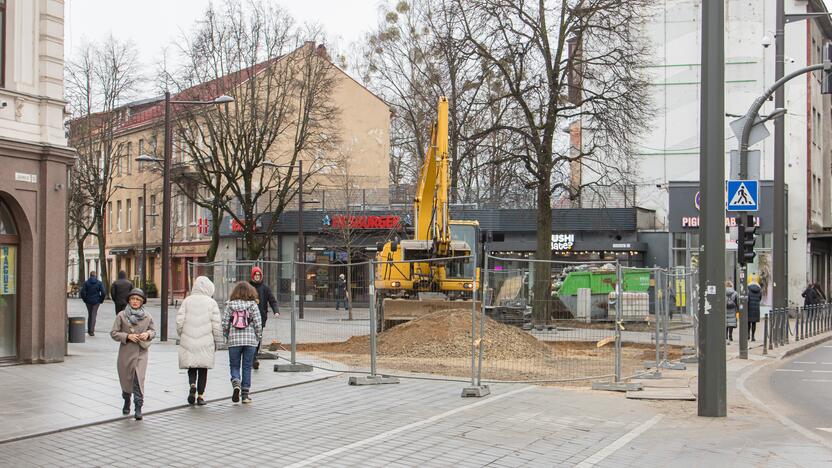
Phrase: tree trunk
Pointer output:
(253, 246)
(102, 254)
(541, 312)
(82, 260)
(216, 219)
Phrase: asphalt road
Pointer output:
(802, 388)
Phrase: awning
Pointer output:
(120, 250)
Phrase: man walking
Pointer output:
(92, 293)
(119, 291)
(265, 300)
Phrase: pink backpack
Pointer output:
(240, 319)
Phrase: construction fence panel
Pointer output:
(426, 328)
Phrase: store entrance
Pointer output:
(8, 284)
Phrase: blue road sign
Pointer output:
(743, 195)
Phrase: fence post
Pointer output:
(619, 297)
(373, 329)
(788, 326)
(477, 389)
(293, 365)
(765, 333)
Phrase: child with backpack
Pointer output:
(243, 330)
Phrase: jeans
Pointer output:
(92, 313)
(342, 300)
(198, 376)
(246, 354)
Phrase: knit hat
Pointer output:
(257, 270)
(137, 292)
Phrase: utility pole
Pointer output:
(712, 400)
(780, 246)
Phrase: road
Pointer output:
(800, 389)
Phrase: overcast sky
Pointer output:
(153, 24)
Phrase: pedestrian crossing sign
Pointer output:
(743, 195)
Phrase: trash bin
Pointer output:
(77, 329)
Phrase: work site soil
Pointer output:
(440, 344)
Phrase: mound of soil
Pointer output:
(441, 334)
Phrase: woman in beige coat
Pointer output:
(200, 333)
(134, 329)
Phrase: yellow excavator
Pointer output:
(433, 270)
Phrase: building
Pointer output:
(363, 122)
(669, 153)
(34, 160)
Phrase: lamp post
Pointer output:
(143, 267)
(166, 203)
(301, 238)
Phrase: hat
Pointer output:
(256, 270)
(341, 276)
(137, 292)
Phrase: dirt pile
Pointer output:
(445, 334)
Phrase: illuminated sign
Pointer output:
(563, 241)
(236, 226)
(362, 222)
(693, 221)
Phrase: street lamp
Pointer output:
(143, 268)
(301, 238)
(166, 197)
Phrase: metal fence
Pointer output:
(783, 325)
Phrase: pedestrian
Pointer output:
(119, 291)
(810, 299)
(755, 297)
(341, 293)
(200, 333)
(731, 303)
(265, 299)
(243, 330)
(93, 294)
(134, 329)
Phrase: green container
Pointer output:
(603, 282)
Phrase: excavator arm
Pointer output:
(431, 215)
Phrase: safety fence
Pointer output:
(782, 325)
(458, 319)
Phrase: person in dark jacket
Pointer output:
(341, 293)
(119, 291)
(755, 297)
(93, 294)
(811, 298)
(265, 300)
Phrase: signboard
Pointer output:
(8, 265)
(362, 222)
(23, 177)
(203, 225)
(238, 227)
(743, 195)
(562, 242)
(684, 215)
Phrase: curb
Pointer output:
(158, 411)
(804, 347)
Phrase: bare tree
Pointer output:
(281, 114)
(100, 78)
(527, 44)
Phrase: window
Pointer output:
(110, 216)
(2, 43)
(153, 211)
(141, 146)
(180, 211)
(129, 215)
(118, 215)
(153, 142)
(129, 157)
(141, 214)
(194, 213)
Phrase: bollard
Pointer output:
(765, 334)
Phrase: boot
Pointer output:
(125, 410)
(200, 401)
(246, 397)
(256, 365)
(192, 395)
(138, 412)
(235, 395)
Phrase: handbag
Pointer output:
(145, 344)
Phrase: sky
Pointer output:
(154, 24)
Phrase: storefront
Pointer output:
(8, 291)
(684, 225)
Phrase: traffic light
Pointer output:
(826, 83)
(747, 237)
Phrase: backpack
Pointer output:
(240, 319)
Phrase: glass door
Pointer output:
(8, 284)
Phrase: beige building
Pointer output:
(34, 159)
(363, 130)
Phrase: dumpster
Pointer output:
(77, 329)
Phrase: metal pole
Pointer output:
(144, 237)
(656, 315)
(474, 323)
(712, 399)
(292, 321)
(373, 327)
(781, 287)
(619, 298)
(166, 206)
(482, 319)
(666, 314)
(301, 243)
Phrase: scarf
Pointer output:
(134, 315)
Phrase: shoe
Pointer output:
(138, 413)
(246, 398)
(92, 333)
(200, 401)
(752, 339)
(256, 365)
(235, 396)
(192, 395)
(125, 410)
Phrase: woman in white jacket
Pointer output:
(200, 333)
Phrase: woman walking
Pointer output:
(198, 327)
(731, 302)
(755, 297)
(134, 329)
(243, 329)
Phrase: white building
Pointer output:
(670, 152)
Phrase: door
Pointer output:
(8, 284)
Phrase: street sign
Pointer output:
(743, 195)
(753, 170)
(759, 132)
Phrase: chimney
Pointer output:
(321, 51)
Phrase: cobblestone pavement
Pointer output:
(426, 423)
